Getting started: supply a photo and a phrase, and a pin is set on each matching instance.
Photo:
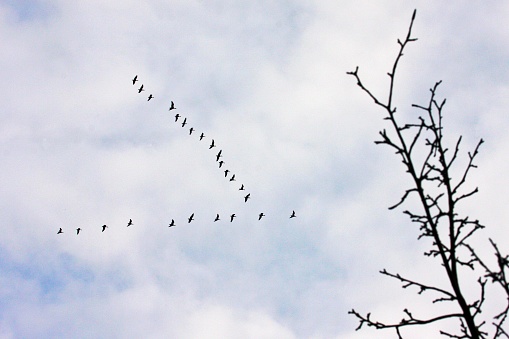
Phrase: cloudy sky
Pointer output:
(80, 147)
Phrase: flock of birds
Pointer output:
(218, 160)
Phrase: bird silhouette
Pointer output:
(184, 122)
(140, 89)
(202, 136)
(135, 79)
(232, 178)
(221, 163)
(130, 222)
(260, 216)
(190, 218)
(150, 97)
(232, 216)
(212, 144)
(172, 223)
(191, 131)
(241, 187)
(293, 215)
(247, 197)
(218, 155)
(177, 116)
(172, 106)
(60, 231)
(226, 173)
(104, 227)
(217, 218)
(78, 231)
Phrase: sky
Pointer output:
(80, 147)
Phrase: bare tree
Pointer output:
(429, 162)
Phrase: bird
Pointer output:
(140, 89)
(191, 131)
(172, 223)
(78, 231)
(135, 79)
(226, 173)
(241, 187)
(190, 218)
(293, 215)
(172, 106)
(177, 116)
(232, 216)
(184, 122)
(217, 218)
(247, 197)
(218, 155)
(130, 222)
(260, 216)
(232, 178)
(60, 231)
(104, 227)
(221, 163)
(202, 136)
(212, 144)
(150, 97)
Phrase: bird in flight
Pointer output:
(140, 89)
(172, 223)
(60, 231)
(260, 216)
(177, 116)
(184, 122)
(217, 218)
(226, 173)
(190, 218)
(241, 187)
(232, 178)
(218, 155)
(212, 144)
(247, 197)
(293, 215)
(172, 106)
(135, 79)
(221, 163)
(78, 231)
(130, 222)
(232, 216)
(150, 97)
(104, 227)
(191, 131)
(202, 136)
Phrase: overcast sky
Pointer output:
(80, 147)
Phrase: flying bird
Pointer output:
(130, 222)
(184, 122)
(140, 89)
(191, 131)
(232, 216)
(104, 227)
(60, 231)
(212, 144)
(226, 173)
(241, 187)
(232, 178)
(202, 136)
(217, 218)
(172, 106)
(177, 116)
(293, 215)
(150, 97)
(218, 155)
(221, 163)
(260, 216)
(247, 197)
(135, 79)
(172, 223)
(78, 231)
(190, 218)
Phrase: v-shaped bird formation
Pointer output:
(227, 173)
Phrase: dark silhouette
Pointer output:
(78, 231)
(184, 122)
(150, 97)
(218, 155)
(172, 106)
(260, 216)
(191, 131)
(226, 172)
(212, 144)
(191, 218)
(232, 216)
(104, 227)
(293, 215)
(221, 163)
(130, 222)
(60, 231)
(172, 223)
(217, 218)
(140, 89)
(241, 187)
(177, 116)
(135, 79)
(247, 197)
(232, 178)
(202, 136)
